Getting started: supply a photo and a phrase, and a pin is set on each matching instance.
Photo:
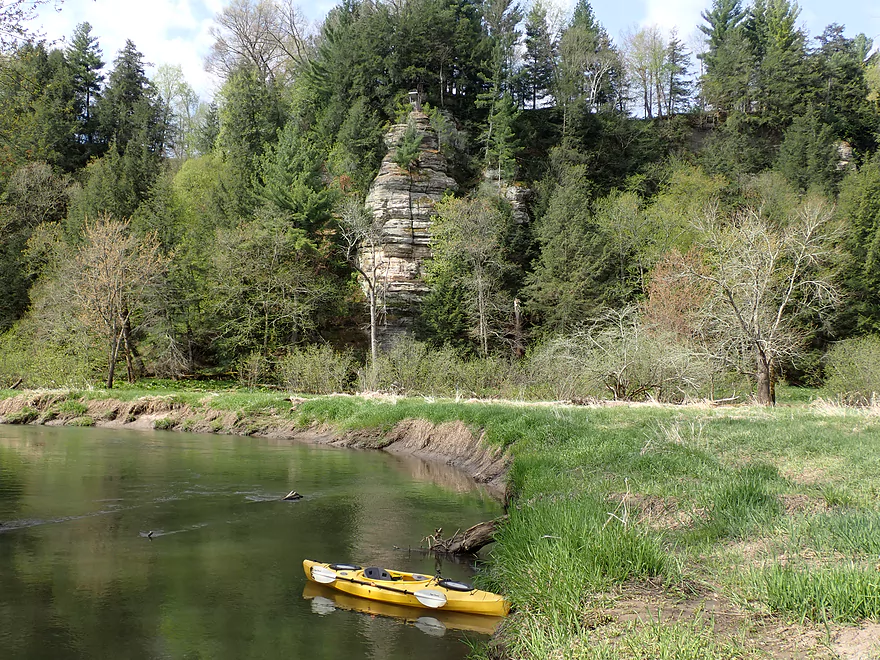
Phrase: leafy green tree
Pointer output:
(840, 93)
(502, 145)
(779, 47)
(291, 175)
(266, 288)
(251, 113)
(34, 195)
(466, 242)
(728, 58)
(129, 110)
(180, 105)
(588, 66)
(359, 148)
(38, 121)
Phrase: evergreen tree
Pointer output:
(540, 55)
(676, 70)
(588, 66)
(129, 110)
(840, 91)
(84, 57)
(728, 58)
(808, 155)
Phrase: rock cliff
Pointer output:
(403, 202)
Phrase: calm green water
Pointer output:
(222, 575)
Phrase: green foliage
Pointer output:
(411, 367)
(71, 408)
(859, 209)
(267, 289)
(291, 175)
(565, 287)
(316, 369)
(852, 369)
(408, 147)
(808, 155)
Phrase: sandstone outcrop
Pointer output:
(403, 201)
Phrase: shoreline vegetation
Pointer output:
(635, 530)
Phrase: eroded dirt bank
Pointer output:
(452, 443)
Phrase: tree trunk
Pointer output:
(765, 388)
(471, 540)
(114, 353)
(374, 347)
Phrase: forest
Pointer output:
(703, 220)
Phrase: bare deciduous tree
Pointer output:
(762, 276)
(270, 35)
(114, 272)
(361, 234)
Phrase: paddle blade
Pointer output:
(430, 626)
(430, 598)
(324, 575)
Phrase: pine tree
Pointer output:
(540, 55)
(678, 86)
(84, 57)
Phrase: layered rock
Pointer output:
(403, 201)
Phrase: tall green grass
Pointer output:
(833, 593)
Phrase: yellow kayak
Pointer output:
(402, 588)
(434, 623)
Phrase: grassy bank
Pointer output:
(675, 532)
(656, 531)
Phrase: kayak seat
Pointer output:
(376, 573)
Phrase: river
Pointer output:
(81, 575)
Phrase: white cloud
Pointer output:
(172, 32)
(681, 14)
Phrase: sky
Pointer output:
(178, 32)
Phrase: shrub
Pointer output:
(252, 369)
(412, 367)
(618, 355)
(853, 370)
(316, 369)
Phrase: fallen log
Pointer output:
(469, 541)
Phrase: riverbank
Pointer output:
(635, 531)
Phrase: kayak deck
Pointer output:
(404, 588)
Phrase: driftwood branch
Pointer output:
(17, 383)
(469, 541)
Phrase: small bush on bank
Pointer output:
(252, 370)
(316, 369)
(618, 356)
(853, 370)
(412, 367)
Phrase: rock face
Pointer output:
(403, 202)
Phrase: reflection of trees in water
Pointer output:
(221, 579)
